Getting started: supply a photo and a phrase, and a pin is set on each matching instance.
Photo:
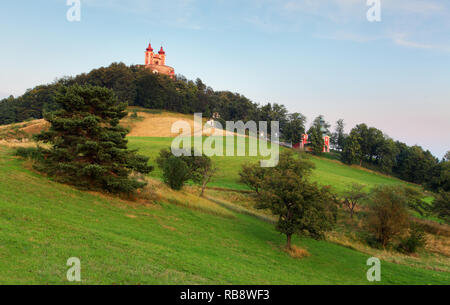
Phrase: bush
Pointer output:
(388, 215)
(415, 240)
(175, 172)
(415, 200)
(31, 153)
(441, 206)
(200, 168)
(372, 241)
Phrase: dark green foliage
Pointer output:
(441, 206)
(200, 168)
(316, 139)
(414, 200)
(369, 147)
(302, 207)
(31, 153)
(414, 164)
(338, 137)
(252, 175)
(413, 241)
(352, 153)
(318, 130)
(141, 87)
(294, 128)
(32, 105)
(371, 240)
(447, 156)
(89, 149)
(175, 172)
(366, 146)
(439, 177)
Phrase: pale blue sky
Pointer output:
(314, 56)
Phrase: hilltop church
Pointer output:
(157, 62)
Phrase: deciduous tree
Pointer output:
(353, 196)
(302, 207)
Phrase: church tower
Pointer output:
(149, 55)
(156, 62)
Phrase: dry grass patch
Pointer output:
(184, 198)
(159, 125)
(438, 244)
(436, 260)
(297, 252)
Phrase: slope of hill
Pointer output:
(150, 132)
(120, 242)
(154, 123)
(327, 172)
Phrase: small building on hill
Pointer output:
(156, 62)
(304, 145)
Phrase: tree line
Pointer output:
(140, 87)
(366, 146)
(373, 149)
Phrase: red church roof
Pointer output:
(150, 49)
(162, 51)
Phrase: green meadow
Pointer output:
(327, 172)
(43, 223)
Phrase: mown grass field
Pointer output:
(327, 172)
(43, 223)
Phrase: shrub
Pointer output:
(441, 206)
(175, 172)
(201, 168)
(415, 200)
(414, 240)
(388, 215)
(372, 241)
(31, 153)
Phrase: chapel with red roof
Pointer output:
(156, 62)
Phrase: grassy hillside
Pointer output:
(122, 242)
(328, 172)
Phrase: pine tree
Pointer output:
(338, 137)
(88, 146)
(316, 139)
(352, 150)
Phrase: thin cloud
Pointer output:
(401, 40)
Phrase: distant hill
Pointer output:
(139, 87)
